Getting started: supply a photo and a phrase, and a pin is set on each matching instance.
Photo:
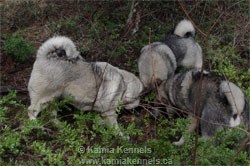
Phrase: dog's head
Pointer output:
(237, 101)
(59, 47)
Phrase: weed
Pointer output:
(224, 62)
(101, 31)
(67, 25)
(17, 47)
(85, 138)
(150, 97)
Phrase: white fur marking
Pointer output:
(234, 96)
(183, 27)
(235, 122)
(180, 142)
(58, 42)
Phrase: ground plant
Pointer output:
(115, 31)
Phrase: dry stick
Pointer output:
(154, 81)
(153, 64)
(188, 16)
(230, 91)
(149, 38)
(130, 15)
(214, 123)
(130, 26)
(102, 75)
(197, 113)
(114, 48)
(203, 57)
(242, 146)
(197, 104)
(244, 143)
(187, 112)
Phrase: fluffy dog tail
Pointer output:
(58, 47)
(185, 29)
(236, 100)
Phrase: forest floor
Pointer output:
(113, 32)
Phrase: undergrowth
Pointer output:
(17, 47)
(225, 61)
(102, 33)
(81, 138)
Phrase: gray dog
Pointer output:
(222, 103)
(59, 71)
(159, 60)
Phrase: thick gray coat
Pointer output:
(60, 71)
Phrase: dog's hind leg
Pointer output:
(190, 129)
(33, 111)
(112, 120)
(38, 103)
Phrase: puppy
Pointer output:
(159, 60)
(222, 103)
(59, 71)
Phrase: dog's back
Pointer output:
(129, 87)
(133, 89)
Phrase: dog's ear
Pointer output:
(61, 52)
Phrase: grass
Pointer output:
(101, 33)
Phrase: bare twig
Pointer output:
(188, 16)
(130, 15)
(197, 103)
(242, 146)
(193, 115)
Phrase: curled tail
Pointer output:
(58, 47)
(185, 29)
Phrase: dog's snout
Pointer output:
(60, 52)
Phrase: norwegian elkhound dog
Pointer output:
(221, 103)
(59, 71)
(159, 60)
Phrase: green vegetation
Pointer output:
(225, 61)
(17, 47)
(102, 33)
(80, 136)
(68, 25)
